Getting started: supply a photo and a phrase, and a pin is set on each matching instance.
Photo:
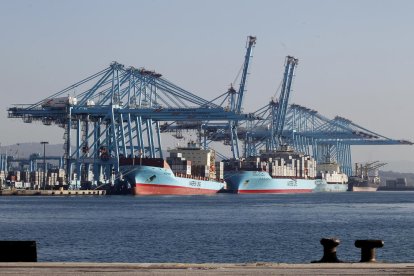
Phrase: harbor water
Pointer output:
(220, 228)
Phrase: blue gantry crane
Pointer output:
(118, 113)
(269, 133)
(307, 131)
(251, 41)
(227, 132)
(34, 160)
(279, 108)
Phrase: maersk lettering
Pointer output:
(292, 183)
(195, 183)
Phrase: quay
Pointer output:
(59, 268)
(23, 192)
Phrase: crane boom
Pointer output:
(251, 41)
(282, 103)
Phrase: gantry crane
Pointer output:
(302, 128)
(209, 130)
(309, 132)
(118, 113)
(279, 108)
(251, 41)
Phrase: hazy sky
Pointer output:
(356, 58)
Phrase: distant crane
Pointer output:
(251, 41)
(270, 131)
(309, 132)
(279, 109)
(228, 133)
(365, 171)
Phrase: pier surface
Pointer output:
(59, 268)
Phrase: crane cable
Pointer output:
(277, 90)
(238, 74)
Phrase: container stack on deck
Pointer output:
(219, 166)
(201, 170)
(179, 165)
(2, 178)
(331, 173)
(290, 164)
(281, 164)
(195, 162)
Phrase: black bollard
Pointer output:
(18, 251)
(368, 249)
(329, 251)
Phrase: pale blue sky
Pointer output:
(356, 57)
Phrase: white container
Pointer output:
(61, 102)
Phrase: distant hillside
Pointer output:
(404, 166)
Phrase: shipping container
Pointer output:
(60, 102)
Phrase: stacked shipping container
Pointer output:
(280, 164)
(195, 162)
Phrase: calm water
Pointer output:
(222, 228)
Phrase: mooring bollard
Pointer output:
(368, 249)
(18, 251)
(329, 251)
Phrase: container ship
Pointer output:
(281, 171)
(188, 171)
(365, 178)
(331, 179)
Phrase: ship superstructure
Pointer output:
(331, 178)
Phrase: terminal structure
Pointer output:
(121, 112)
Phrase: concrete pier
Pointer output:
(58, 268)
(21, 192)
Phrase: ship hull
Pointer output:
(363, 189)
(324, 187)
(149, 180)
(362, 186)
(159, 189)
(257, 182)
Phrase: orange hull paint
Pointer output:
(157, 189)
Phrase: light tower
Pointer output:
(44, 163)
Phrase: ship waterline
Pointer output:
(322, 186)
(160, 180)
(260, 182)
(363, 189)
(157, 189)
